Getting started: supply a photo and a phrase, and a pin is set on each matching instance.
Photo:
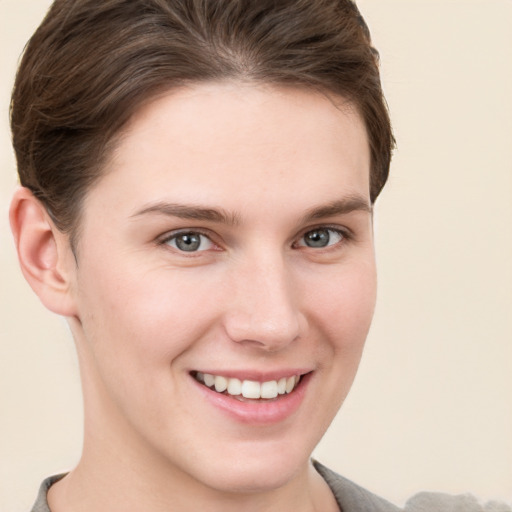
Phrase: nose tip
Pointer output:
(270, 334)
(264, 311)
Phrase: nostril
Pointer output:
(262, 334)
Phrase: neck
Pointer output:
(94, 486)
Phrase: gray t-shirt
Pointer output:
(352, 498)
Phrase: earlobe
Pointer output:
(44, 253)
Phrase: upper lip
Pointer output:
(256, 375)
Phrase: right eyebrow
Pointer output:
(190, 212)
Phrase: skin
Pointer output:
(254, 297)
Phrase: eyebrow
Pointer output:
(190, 212)
(204, 213)
(338, 207)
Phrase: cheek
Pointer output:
(342, 306)
(151, 316)
(134, 328)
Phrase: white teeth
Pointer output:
(249, 388)
(235, 387)
(209, 380)
(269, 389)
(290, 384)
(221, 384)
(281, 386)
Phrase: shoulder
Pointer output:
(429, 501)
(353, 498)
(350, 496)
(41, 504)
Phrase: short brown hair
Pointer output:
(92, 63)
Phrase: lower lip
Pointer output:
(257, 412)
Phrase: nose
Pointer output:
(264, 305)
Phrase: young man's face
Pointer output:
(231, 236)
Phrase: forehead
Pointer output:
(242, 140)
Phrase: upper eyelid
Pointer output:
(164, 242)
(343, 230)
(345, 233)
(169, 235)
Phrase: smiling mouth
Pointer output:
(248, 389)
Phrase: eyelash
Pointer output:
(175, 234)
(345, 236)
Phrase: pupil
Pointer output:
(317, 238)
(188, 242)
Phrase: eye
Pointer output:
(189, 241)
(321, 237)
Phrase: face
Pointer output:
(229, 244)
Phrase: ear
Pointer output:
(44, 253)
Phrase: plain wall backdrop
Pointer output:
(431, 407)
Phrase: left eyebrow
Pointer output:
(338, 207)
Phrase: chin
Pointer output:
(245, 477)
(254, 470)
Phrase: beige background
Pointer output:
(432, 405)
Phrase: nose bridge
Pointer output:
(263, 309)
